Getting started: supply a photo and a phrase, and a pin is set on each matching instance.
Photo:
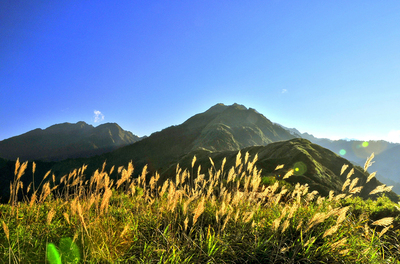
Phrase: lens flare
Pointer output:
(365, 144)
(342, 152)
(299, 168)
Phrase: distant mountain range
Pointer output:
(219, 132)
(63, 141)
(387, 154)
(354, 150)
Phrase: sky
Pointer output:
(329, 68)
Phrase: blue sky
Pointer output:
(330, 68)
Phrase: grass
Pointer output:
(230, 215)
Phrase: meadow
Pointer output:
(228, 215)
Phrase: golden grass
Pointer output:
(369, 162)
(184, 207)
(381, 188)
(372, 175)
(384, 221)
(6, 231)
(344, 168)
(288, 174)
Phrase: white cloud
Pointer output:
(284, 91)
(394, 136)
(98, 116)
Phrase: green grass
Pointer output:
(230, 215)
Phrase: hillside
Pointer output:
(312, 164)
(63, 141)
(220, 132)
(386, 154)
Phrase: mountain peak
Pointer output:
(66, 140)
(218, 108)
(109, 125)
(233, 127)
(68, 126)
(238, 106)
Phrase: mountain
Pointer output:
(66, 140)
(355, 150)
(387, 163)
(292, 131)
(220, 128)
(220, 132)
(386, 160)
(312, 164)
(387, 154)
(233, 128)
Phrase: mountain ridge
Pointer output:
(220, 130)
(357, 151)
(66, 140)
(312, 164)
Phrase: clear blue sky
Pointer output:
(330, 68)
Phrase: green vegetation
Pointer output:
(228, 215)
(63, 141)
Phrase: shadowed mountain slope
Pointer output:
(387, 154)
(66, 140)
(7, 168)
(219, 128)
(312, 164)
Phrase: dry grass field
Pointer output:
(229, 215)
